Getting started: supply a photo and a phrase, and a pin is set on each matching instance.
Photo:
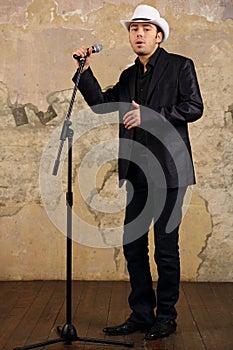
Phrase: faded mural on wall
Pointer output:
(37, 42)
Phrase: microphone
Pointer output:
(95, 49)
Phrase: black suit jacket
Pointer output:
(173, 101)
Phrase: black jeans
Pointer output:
(164, 206)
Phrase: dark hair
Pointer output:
(159, 29)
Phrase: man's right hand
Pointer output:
(83, 52)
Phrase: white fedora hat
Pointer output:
(145, 13)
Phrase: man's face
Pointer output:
(144, 38)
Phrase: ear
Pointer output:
(159, 37)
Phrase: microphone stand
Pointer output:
(68, 333)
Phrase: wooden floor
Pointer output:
(31, 311)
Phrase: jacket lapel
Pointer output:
(132, 83)
(160, 67)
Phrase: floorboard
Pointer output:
(31, 311)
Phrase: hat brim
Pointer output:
(160, 22)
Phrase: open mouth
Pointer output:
(140, 42)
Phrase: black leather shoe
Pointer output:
(162, 328)
(126, 328)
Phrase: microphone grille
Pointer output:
(97, 48)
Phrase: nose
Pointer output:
(140, 32)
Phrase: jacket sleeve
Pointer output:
(99, 101)
(189, 106)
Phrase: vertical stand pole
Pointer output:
(68, 333)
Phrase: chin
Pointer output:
(139, 52)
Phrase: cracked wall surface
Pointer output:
(37, 42)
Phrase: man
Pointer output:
(156, 162)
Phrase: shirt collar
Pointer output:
(152, 60)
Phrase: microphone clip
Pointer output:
(78, 58)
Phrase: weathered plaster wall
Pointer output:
(37, 41)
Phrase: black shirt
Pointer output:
(143, 80)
